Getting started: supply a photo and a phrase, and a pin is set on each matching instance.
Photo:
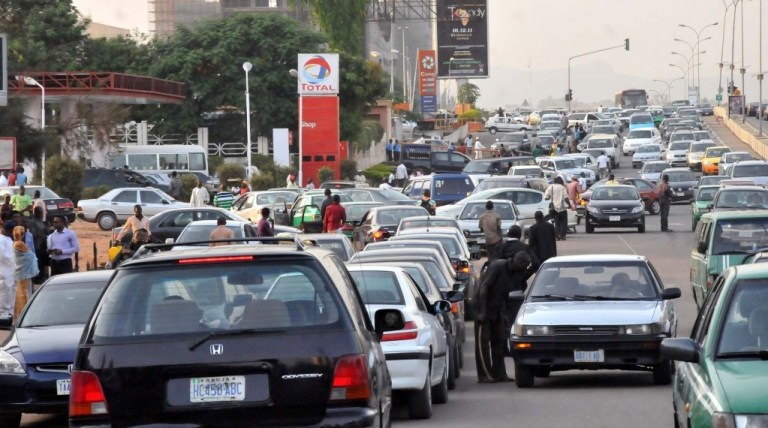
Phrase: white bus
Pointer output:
(182, 158)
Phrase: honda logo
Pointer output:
(217, 349)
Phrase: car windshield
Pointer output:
(680, 146)
(578, 162)
(680, 176)
(196, 233)
(62, 304)
(681, 136)
(392, 217)
(746, 321)
(706, 194)
(197, 296)
(378, 288)
(600, 144)
(614, 193)
(599, 280)
(737, 157)
(759, 170)
(649, 148)
(655, 167)
(739, 236)
(497, 184)
(716, 152)
(356, 211)
(734, 198)
(475, 210)
(640, 133)
(565, 164)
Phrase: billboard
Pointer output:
(280, 142)
(318, 74)
(735, 104)
(320, 135)
(427, 80)
(7, 153)
(462, 38)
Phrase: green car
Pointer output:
(658, 116)
(722, 369)
(701, 201)
(721, 240)
(305, 212)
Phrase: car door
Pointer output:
(440, 162)
(297, 208)
(700, 259)
(457, 162)
(435, 332)
(122, 204)
(152, 202)
(171, 225)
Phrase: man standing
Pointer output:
(611, 180)
(558, 194)
(221, 233)
(21, 178)
(478, 148)
(574, 190)
(490, 224)
(401, 174)
(537, 151)
(491, 321)
(12, 178)
(264, 228)
(514, 245)
(396, 151)
(542, 238)
(390, 144)
(174, 188)
(21, 202)
(335, 216)
(326, 202)
(603, 165)
(665, 200)
(468, 141)
(62, 244)
(7, 270)
(200, 196)
(3, 179)
(38, 202)
(223, 199)
(427, 202)
(39, 231)
(135, 222)
(244, 188)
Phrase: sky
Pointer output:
(530, 42)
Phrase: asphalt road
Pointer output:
(588, 399)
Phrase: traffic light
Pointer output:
(626, 44)
(569, 95)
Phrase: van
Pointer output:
(445, 188)
(721, 240)
(429, 160)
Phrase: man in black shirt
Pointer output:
(514, 245)
(542, 238)
(327, 201)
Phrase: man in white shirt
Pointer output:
(3, 179)
(603, 165)
(478, 148)
(401, 174)
(199, 197)
(7, 268)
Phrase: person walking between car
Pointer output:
(223, 199)
(427, 202)
(326, 203)
(174, 187)
(135, 222)
(491, 317)
(665, 200)
(603, 165)
(21, 202)
(335, 216)
(490, 224)
(38, 202)
(558, 195)
(388, 148)
(574, 190)
(542, 238)
(221, 233)
(401, 175)
(21, 178)
(200, 196)
(39, 231)
(515, 244)
(26, 269)
(478, 148)
(62, 244)
(7, 270)
(264, 227)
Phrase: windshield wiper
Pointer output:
(585, 297)
(222, 333)
(552, 297)
(760, 353)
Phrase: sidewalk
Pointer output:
(726, 137)
(737, 135)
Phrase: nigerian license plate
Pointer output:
(614, 218)
(597, 356)
(679, 193)
(62, 386)
(221, 388)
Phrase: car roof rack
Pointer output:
(151, 248)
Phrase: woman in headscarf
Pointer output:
(26, 269)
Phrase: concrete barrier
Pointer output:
(742, 133)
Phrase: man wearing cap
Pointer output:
(7, 269)
(490, 225)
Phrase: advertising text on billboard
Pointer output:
(462, 38)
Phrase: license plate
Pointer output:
(62, 386)
(222, 388)
(679, 194)
(614, 218)
(51, 207)
(589, 356)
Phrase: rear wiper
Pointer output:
(222, 333)
(761, 353)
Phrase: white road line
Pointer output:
(627, 244)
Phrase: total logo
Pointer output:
(318, 74)
(316, 70)
(310, 125)
(428, 62)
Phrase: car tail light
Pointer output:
(464, 266)
(380, 234)
(67, 204)
(409, 332)
(86, 397)
(79, 209)
(455, 308)
(455, 265)
(210, 260)
(350, 379)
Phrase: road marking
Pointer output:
(627, 244)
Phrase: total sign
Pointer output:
(318, 74)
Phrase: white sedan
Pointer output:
(417, 356)
(527, 201)
(117, 205)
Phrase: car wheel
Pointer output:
(106, 221)
(491, 131)
(590, 228)
(641, 228)
(420, 402)
(523, 376)
(440, 391)
(453, 368)
(541, 372)
(693, 224)
(10, 419)
(662, 373)
(655, 207)
(458, 360)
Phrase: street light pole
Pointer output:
(698, 40)
(295, 73)
(760, 75)
(403, 53)
(722, 48)
(625, 45)
(32, 82)
(247, 66)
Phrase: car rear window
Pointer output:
(393, 217)
(706, 194)
(733, 236)
(680, 146)
(678, 176)
(378, 288)
(599, 144)
(716, 152)
(498, 184)
(649, 148)
(203, 233)
(613, 193)
(760, 170)
(216, 296)
(474, 211)
(752, 199)
(452, 186)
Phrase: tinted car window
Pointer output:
(63, 304)
(453, 186)
(393, 217)
(740, 235)
(128, 196)
(747, 307)
(678, 176)
(609, 279)
(750, 170)
(380, 288)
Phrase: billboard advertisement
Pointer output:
(462, 39)
(280, 142)
(735, 104)
(318, 74)
(7, 153)
(320, 135)
(427, 80)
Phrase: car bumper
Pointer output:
(677, 162)
(408, 369)
(22, 394)
(682, 195)
(609, 220)
(709, 168)
(694, 164)
(559, 353)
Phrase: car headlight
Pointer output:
(748, 421)
(641, 329)
(532, 330)
(9, 364)
(593, 210)
(723, 420)
(637, 209)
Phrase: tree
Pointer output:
(468, 93)
(361, 84)
(343, 21)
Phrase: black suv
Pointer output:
(240, 335)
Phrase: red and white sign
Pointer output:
(318, 74)
(320, 135)
(427, 72)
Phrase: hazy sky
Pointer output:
(542, 35)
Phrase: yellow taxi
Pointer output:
(711, 158)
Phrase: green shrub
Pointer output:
(230, 171)
(470, 114)
(64, 176)
(94, 192)
(379, 173)
(263, 181)
(348, 169)
(188, 182)
(214, 162)
(326, 174)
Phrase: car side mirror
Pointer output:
(388, 320)
(670, 293)
(169, 240)
(165, 202)
(441, 306)
(681, 349)
(454, 296)
(516, 296)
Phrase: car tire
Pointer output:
(641, 228)
(460, 360)
(523, 376)
(541, 372)
(452, 369)
(440, 391)
(492, 130)
(693, 225)
(420, 402)
(106, 221)
(589, 227)
(10, 419)
(655, 207)
(662, 373)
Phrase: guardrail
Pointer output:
(759, 146)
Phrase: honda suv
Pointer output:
(240, 335)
